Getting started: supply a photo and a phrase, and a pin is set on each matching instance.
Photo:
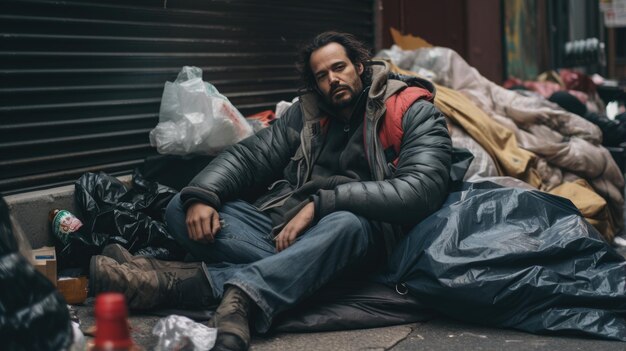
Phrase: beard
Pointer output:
(341, 101)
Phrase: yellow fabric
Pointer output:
(591, 205)
(551, 76)
(499, 142)
(408, 42)
(511, 160)
(582, 195)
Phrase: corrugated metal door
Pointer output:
(81, 81)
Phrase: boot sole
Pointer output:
(229, 342)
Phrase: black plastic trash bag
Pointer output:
(515, 258)
(112, 212)
(33, 316)
(341, 305)
(351, 304)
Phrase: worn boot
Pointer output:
(121, 255)
(118, 253)
(151, 283)
(231, 320)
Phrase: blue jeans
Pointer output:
(244, 255)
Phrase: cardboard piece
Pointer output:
(45, 259)
(408, 42)
(74, 289)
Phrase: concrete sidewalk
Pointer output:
(437, 334)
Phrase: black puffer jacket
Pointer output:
(283, 153)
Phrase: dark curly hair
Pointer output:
(357, 53)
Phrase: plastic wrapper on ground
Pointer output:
(181, 333)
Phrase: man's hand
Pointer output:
(296, 226)
(203, 222)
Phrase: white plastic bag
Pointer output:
(195, 118)
(178, 333)
(283, 106)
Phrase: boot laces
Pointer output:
(237, 305)
(171, 284)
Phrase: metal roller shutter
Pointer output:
(82, 80)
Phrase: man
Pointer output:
(359, 159)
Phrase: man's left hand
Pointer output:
(296, 226)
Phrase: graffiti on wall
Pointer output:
(520, 38)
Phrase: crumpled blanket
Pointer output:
(563, 142)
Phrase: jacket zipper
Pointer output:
(306, 155)
(378, 164)
(275, 201)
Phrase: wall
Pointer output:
(82, 80)
(472, 28)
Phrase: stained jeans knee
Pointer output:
(243, 237)
(176, 222)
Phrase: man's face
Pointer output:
(338, 79)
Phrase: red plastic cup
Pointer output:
(112, 322)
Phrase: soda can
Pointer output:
(64, 223)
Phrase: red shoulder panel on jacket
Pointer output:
(391, 132)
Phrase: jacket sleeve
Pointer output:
(419, 185)
(257, 159)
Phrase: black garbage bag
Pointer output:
(342, 305)
(33, 316)
(113, 212)
(352, 304)
(514, 258)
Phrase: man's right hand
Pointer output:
(203, 222)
